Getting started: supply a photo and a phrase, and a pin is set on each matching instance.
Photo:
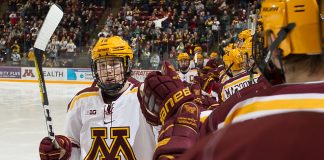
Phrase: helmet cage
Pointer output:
(184, 65)
(105, 71)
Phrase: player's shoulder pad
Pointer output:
(83, 93)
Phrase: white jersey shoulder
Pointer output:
(99, 133)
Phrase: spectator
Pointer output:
(173, 56)
(193, 23)
(70, 48)
(180, 47)
(62, 48)
(34, 30)
(145, 58)
(31, 57)
(15, 47)
(210, 39)
(179, 36)
(209, 22)
(182, 22)
(155, 61)
(129, 16)
(103, 33)
(2, 25)
(13, 18)
(53, 48)
(3, 55)
(225, 21)
(24, 60)
(173, 52)
(15, 57)
(199, 7)
(215, 26)
(49, 63)
(237, 26)
(120, 31)
(2, 43)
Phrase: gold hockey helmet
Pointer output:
(213, 55)
(245, 34)
(183, 56)
(197, 49)
(112, 47)
(115, 55)
(298, 17)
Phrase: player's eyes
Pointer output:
(102, 65)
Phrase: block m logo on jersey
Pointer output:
(120, 144)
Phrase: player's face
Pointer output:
(184, 64)
(110, 70)
(200, 61)
(240, 43)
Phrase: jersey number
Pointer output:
(119, 135)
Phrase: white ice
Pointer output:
(22, 122)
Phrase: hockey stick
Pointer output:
(50, 23)
(228, 70)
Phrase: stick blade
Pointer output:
(53, 18)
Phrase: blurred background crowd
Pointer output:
(156, 29)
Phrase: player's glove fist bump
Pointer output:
(47, 151)
(162, 94)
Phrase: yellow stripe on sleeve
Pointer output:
(287, 104)
(83, 95)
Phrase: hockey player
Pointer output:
(105, 122)
(199, 60)
(285, 121)
(225, 72)
(186, 72)
(213, 55)
(235, 61)
(197, 50)
(245, 46)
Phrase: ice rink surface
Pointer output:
(22, 122)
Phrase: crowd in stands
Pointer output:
(156, 29)
(166, 28)
(22, 21)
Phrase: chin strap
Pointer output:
(186, 71)
(228, 70)
(117, 89)
(269, 70)
(281, 36)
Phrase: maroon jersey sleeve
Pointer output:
(219, 114)
(282, 136)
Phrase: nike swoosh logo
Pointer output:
(108, 122)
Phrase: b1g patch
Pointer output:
(120, 144)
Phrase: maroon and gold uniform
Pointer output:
(238, 82)
(282, 117)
